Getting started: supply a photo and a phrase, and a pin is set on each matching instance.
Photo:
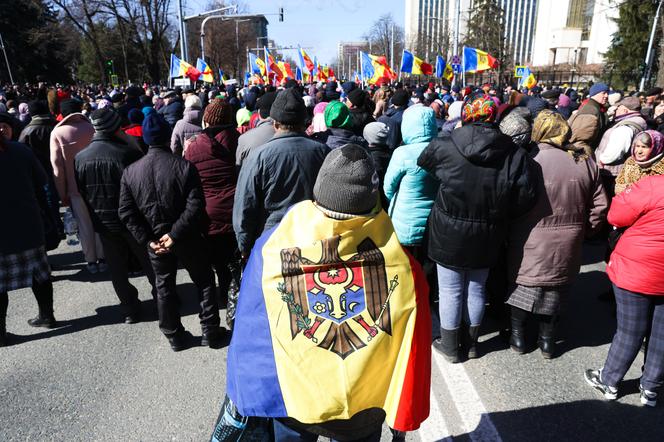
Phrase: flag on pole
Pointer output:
(375, 69)
(256, 64)
(298, 73)
(410, 64)
(305, 62)
(475, 60)
(285, 69)
(443, 69)
(181, 68)
(222, 76)
(528, 80)
(270, 62)
(206, 72)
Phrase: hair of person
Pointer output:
(299, 127)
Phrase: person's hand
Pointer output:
(158, 249)
(166, 241)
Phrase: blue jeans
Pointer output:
(462, 295)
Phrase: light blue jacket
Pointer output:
(410, 190)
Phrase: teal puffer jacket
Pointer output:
(411, 190)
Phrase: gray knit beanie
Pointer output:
(105, 120)
(376, 133)
(347, 181)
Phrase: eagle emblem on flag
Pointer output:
(324, 298)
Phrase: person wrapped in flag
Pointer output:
(333, 331)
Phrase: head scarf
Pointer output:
(551, 128)
(656, 141)
(479, 108)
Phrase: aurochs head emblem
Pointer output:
(335, 302)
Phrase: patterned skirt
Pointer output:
(539, 300)
(19, 270)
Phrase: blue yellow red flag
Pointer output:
(375, 69)
(443, 69)
(305, 62)
(475, 60)
(528, 80)
(180, 68)
(414, 65)
(332, 319)
(206, 71)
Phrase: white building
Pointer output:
(574, 31)
(431, 20)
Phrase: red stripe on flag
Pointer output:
(414, 401)
(426, 69)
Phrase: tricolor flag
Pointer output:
(270, 62)
(528, 80)
(181, 68)
(305, 61)
(285, 69)
(206, 72)
(375, 69)
(413, 65)
(333, 319)
(443, 69)
(222, 76)
(257, 65)
(475, 60)
(298, 73)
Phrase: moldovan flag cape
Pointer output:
(475, 60)
(333, 319)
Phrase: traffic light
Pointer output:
(281, 14)
(109, 67)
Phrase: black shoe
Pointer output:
(39, 321)
(3, 338)
(594, 379)
(179, 341)
(547, 339)
(132, 319)
(518, 336)
(448, 344)
(471, 337)
(213, 339)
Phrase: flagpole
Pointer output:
(463, 67)
(401, 64)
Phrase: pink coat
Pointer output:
(69, 137)
(637, 263)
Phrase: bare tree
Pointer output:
(381, 34)
(660, 70)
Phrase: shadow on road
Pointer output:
(590, 420)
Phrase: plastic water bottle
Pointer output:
(71, 227)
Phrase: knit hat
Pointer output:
(348, 87)
(656, 91)
(265, 104)
(105, 120)
(320, 107)
(631, 103)
(478, 107)
(156, 130)
(598, 88)
(250, 99)
(135, 116)
(331, 93)
(357, 97)
(564, 101)
(242, 116)
(614, 98)
(337, 115)
(70, 106)
(192, 102)
(288, 107)
(400, 98)
(218, 113)
(347, 181)
(375, 133)
(515, 123)
(38, 107)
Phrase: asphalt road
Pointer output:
(96, 378)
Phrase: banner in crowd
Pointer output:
(206, 72)
(375, 69)
(180, 68)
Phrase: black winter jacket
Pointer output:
(37, 135)
(381, 157)
(173, 111)
(336, 137)
(159, 194)
(360, 117)
(392, 118)
(98, 170)
(485, 180)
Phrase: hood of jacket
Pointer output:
(482, 143)
(418, 125)
(193, 116)
(73, 119)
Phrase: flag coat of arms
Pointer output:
(332, 319)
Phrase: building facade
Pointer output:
(574, 32)
(430, 26)
(348, 55)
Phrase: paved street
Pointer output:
(96, 378)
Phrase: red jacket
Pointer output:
(637, 263)
(215, 160)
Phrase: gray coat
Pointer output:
(544, 247)
(283, 172)
(253, 139)
(187, 127)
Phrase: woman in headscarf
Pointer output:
(318, 121)
(453, 117)
(544, 246)
(646, 159)
(439, 110)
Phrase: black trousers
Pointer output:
(225, 260)
(118, 248)
(43, 292)
(194, 255)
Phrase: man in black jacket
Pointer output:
(98, 170)
(162, 205)
(393, 116)
(173, 108)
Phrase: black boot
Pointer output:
(473, 333)
(43, 292)
(547, 336)
(448, 344)
(518, 336)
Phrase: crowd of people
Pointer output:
(490, 190)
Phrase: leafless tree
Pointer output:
(380, 36)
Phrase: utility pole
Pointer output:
(392, 49)
(457, 23)
(9, 70)
(646, 72)
(183, 34)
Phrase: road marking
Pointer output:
(476, 421)
(434, 428)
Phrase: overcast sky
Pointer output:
(318, 24)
